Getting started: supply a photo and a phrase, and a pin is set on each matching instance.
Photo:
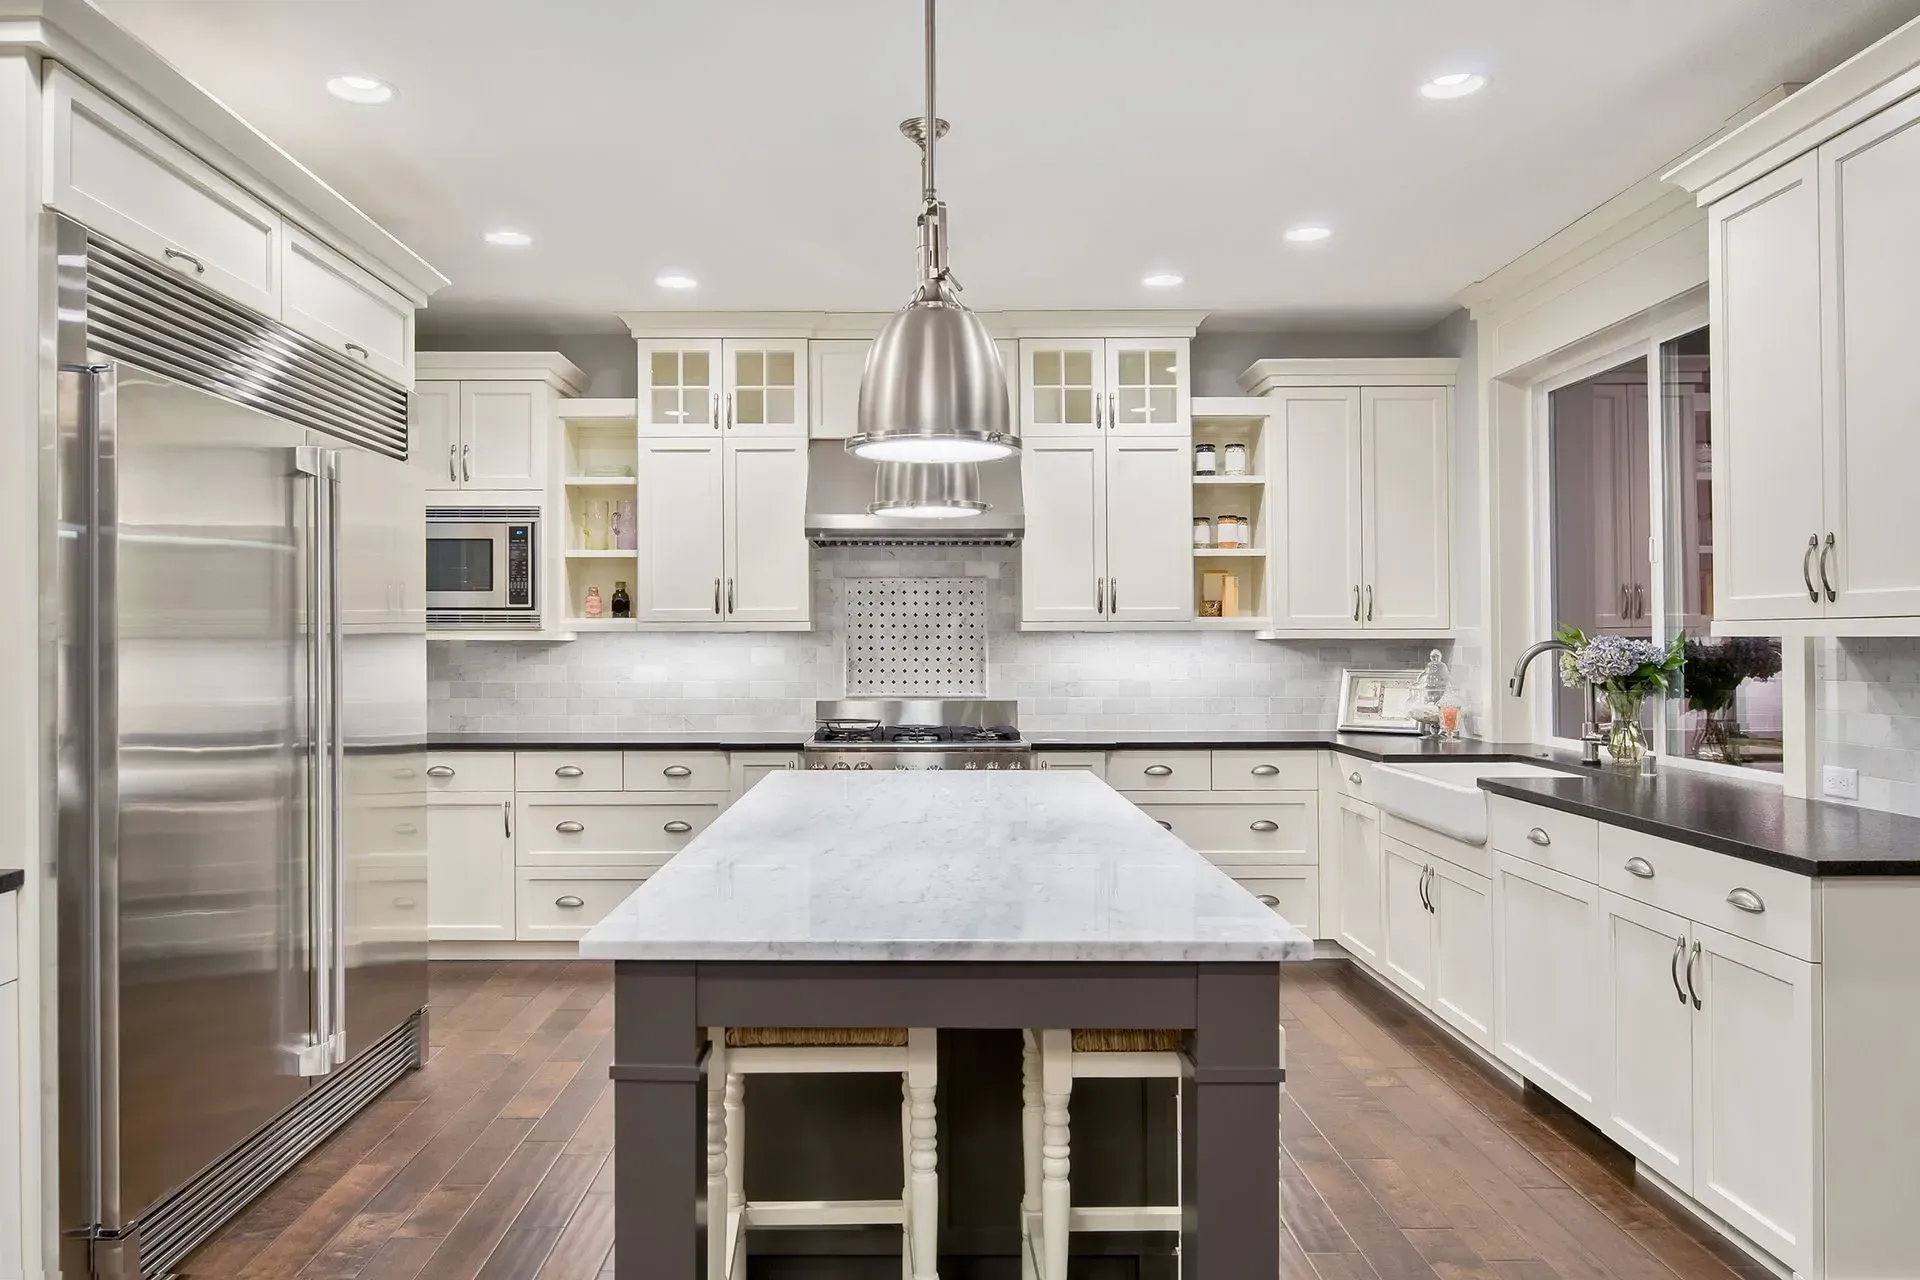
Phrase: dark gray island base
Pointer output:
(1230, 1121)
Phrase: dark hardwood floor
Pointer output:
(1403, 1159)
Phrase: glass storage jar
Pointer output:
(1206, 460)
(1234, 459)
(1232, 533)
(1202, 531)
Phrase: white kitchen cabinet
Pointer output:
(1357, 919)
(1132, 386)
(835, 367)
(1754, 1089)
(682, 549)
(486, 420)
(1149, 386)
(1107, 541)
(1620, 488)
(1314, 445)
(1548, 983)
(433, 433)
(679, 387)
(1406, 459)
(1063, 557)
(1768, 515)
(1649, 1034)
(118, 175)
(769, 563)
(747, 769)
(337, 303)
(470, 866)
(1063, 387)
(736, 386)
(1149, 507)
(503, 434)
(1406, 926)
(1462, 912)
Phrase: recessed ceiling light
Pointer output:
(675, 281)
(1457, 84)
(1307, 235)
(510, 239)
(364, 90)
(1163, 280)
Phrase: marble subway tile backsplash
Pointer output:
(1868, 706)
(768, 681)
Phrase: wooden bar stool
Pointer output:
(1050, 1063)
(733, 1053)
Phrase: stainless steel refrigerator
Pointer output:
(242, 719)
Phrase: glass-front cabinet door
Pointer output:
(680, 385)
(1149, 391)
(766, 387)
(1063, 386)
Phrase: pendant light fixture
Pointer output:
(926, 490)
(934, 389)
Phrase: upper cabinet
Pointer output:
(487, 420)
(836, 367)
(333, 301)
(1361, 461)
(1133, 386)
(741, 386)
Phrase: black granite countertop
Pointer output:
(1381, 748)
(1757, 823)
(714, 740)
(11, 879)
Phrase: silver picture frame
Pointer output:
(1377, 701)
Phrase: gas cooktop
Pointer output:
(945, 733)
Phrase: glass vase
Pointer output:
(1719, 737)
(1626, 741)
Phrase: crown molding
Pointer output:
(1264, 376)
(549, 367)
(867, 324)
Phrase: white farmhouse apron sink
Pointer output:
(1447, 797)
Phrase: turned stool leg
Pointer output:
(1030, 1132)
(923, 1188)
(1056, 1191)
(717, 1172)
(735, 1219)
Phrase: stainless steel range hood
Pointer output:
(840, 485)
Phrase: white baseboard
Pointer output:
(1706, 1217)
(1486, 1056)
(503, 951)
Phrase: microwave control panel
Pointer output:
(519, 566)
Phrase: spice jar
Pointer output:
(592, 608)
(1206, 460)
(1232, 532)
(1202, 531)
(1236, 459)
(622, 602)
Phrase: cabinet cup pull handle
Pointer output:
(1159, 771)
(1746, 900)
(355, 349)
(405, 904)
(403, 774)
(677, 771)
(199, 267)
(1806, 568)
(1268, 900)
(1826, 550)
(1539, 837)
(1263, 825)
(569, 827)
(440, 771)
(405, 829)
(677, 827)
(1640, 867)
(1265, 770)
(1692, 990)
(569, 771)
(1673, 966)
(569, 901)
(1163, 822)
(1353, 779)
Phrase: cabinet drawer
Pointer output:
(567, 770)
(1093, 762)
(387, 773)
(469, 771)
(1265, 771)
(345, 307)
(1160, 771)
(676, 771)
(1702, 885)
(9, 938)
(1283, 827)
(1346, 775)
(604, 830)
(560, 904)
(389, 894)
(1564, 841)
(1293, 892)
(120, 176)
(1475, 858)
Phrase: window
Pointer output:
(1630, 497)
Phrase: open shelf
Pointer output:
(1229, 553)
(579, 554)
(610, 409)
(1229, 482)
(601, 482)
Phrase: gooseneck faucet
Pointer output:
(1590, 735)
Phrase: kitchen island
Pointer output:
(953, 901)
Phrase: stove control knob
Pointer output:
(840, 764)
(993, 764)
(863, 765)
(1017, 764)
(817, 764)
(936, 765)
(972, 764)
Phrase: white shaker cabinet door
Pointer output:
(1406, 926)
(769, 564)
(1149, 529)
(1869, 207)
(433, 434)
(1406, 456)
(342, 305)
(1763, 246)
(1063, 557)
(1547, 980)
(503, 435)
(765, 390)
(682, 564)
(1149, 386)
(835, 368)
(680, 387)
(1753, 1091)
(1063, 386)
(1357, 922)
(1316, 555)
(1462, 950)
(1649, 1037)
(470, 867)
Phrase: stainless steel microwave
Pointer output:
(483, 567)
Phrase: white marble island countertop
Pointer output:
(923, 866)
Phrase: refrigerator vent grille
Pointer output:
(161, 321)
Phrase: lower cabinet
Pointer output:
(1547, 980)
(1406, 926)
(745, 769)
(1650, 1025)
(470, 867)
(1437, 937)
(1293, 892)
(1357, 922)
(559, 904)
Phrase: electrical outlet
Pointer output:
(1841, 784)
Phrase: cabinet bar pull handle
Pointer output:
(1099, 595)
(1369, 602)
(1825, 551)
(1356, 602)
(199, 267)
(716, 597)
(466, 462)
(729, 595)
(1626, 601)
(1746, 900)
(1540, 837)
(569, 827)
(1639, 601)
(1640, 867)
(1806, 568)
(1263, 825)
(1353, 779)
(729, 410)
(453, 463)
(676, 771)
(1113, 412)
(1163, 822)
(569, 771)
(677, 827)
(1113, 596)
(354, 348)
(1159, 771)
(1673, 966)
(569, 901)
(1420, 887)
(506, 817)
(1265, 770)
(1268, 900)
(440, 771)
(1692, 990)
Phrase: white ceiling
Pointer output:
(753, 144)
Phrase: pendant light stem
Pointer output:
(932, 129)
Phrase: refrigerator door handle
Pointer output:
(336, 763)
(315, 1056)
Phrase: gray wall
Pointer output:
(1220, 356)
(608, 359)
